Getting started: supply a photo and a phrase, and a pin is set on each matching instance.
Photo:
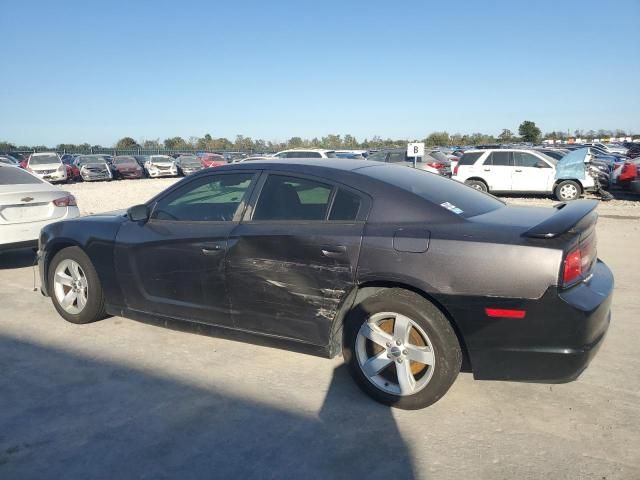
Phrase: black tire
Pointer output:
(94, 309)
(478, 185)
(445, 346)
(568, 190)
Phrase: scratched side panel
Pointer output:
(280, 283)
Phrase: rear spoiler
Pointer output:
(567, 216)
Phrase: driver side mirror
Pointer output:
(540, 164)
(138, 213)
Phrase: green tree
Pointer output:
(437, 139)
(151, 143)
(295, 142)
(529, 131)
(6, 146)
(175, 143)
(127, 142)
(506, 136)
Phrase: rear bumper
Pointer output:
(29, 232)
(555, 342)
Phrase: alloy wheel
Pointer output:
(395, 354)
(70, 286)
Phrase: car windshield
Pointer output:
(161, 159)
(124, 161)
(84, 160)
(43, 159)
(441, 157)
(449, 194)
(188, 160)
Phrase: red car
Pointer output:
(212, 160)
(628, 174)
(73, 172)
(126, 166)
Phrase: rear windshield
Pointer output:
(43, 159)
(16, 176)
(469, 158)
(443, 192)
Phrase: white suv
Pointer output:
(306, 153)
(517, 171)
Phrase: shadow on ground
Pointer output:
(25, 257)
(66, 416)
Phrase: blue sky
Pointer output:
(75, 71)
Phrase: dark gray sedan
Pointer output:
(410, 275)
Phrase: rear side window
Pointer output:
(440, 191)
(292, 198)
(16, 176)
(345, 206)
(499, 159)
(469, 158)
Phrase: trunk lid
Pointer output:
(29, 203)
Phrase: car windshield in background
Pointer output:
(44, 159)
(16, 176)
(439, 156)
(124, 160)
(454, 196)
(188, 160)
(86, 160)
(161, 159)
(331, 154)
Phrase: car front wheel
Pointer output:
(567, 190)
(401, 350)
(74, 286)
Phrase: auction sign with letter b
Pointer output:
(415, 150)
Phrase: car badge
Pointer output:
(26, 199)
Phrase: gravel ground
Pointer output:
(105, 196)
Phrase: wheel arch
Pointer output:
(478, 179)
(366, 289)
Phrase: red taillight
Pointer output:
(68, 201)
(579, 261)
(572, 267)
(504, 313)
(436, 165)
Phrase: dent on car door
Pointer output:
(292, 262)
(173, 264)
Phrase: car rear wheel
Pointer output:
(567, 190)
(75, 288)
(401, 349)
(477, 184)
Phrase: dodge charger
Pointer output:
(413, 277)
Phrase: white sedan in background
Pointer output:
(27, 204)
(161, 166)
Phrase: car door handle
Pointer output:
(333, 252)
(487, 169)
(212, 249)
(518, 170)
